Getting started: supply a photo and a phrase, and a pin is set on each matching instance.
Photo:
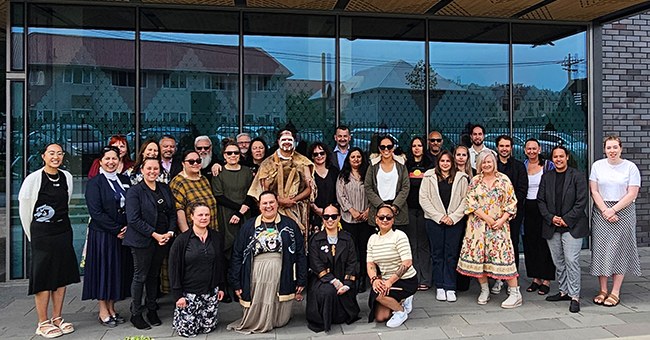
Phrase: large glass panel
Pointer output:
(550, 88)
(17, 36)
(78, 57)
(289, 72)
(382, 91)
(189, 83)
(16, 240)
(468, 80)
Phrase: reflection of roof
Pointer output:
(156, 55)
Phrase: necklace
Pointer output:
(58, 177)
(202, 236)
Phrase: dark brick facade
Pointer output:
(626, 101)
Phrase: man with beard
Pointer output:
(244, 143)
(291, 176)
(518, 175)
(167, 150)
(210, 165)
(478, 133)
(342, 138)
(435, 146)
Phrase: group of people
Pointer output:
(263, 226)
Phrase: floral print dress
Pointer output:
(485, 250)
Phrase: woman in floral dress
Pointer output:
(487, 248)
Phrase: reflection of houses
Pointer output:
(181, 83)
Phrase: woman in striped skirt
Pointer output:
(614, 184)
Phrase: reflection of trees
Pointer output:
(417, 77)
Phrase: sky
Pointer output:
(482, 64)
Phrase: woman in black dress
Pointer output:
(43, 201)
(325, 177)
(332, 297)
(106, 200)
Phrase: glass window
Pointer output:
(468, 80)
(289, 71)
(16, 268)
(191, 59)
(550, 85)
(381, 89)
(17, 36)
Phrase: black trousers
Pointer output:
(361, 233)
(146, 266)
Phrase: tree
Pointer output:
(417, 78)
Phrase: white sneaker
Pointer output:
(451, 296)
(408, 304)
(397, 319)
(440, 295)
(514, 300)
(484, 297)
(496, 289)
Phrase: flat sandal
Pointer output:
(602, 296)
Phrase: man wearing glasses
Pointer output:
(435, 146)
(244, 143)
(210, 164)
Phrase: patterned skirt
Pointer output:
(199, 316)
(487, 251)
(614, 243)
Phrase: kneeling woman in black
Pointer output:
(332, 298)
(391, 272)
(196, 274)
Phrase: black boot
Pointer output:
(226, 296)
(138, 322)
(153, 318)
(362, 285)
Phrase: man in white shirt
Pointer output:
(478, 133)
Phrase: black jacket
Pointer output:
(142, 214)
(342, 266)
(518, 175)
(574, 202)
(176, 168)
(177, 262)
(102, 207)
(294, 261)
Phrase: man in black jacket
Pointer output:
(169, 160)
(562, 198)
(518, 175)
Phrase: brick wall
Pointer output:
(626, 101)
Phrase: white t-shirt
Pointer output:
(613, 180)
(387, 183)
(533, 185)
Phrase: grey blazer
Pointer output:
(575, 198)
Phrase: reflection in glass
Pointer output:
(17, 247)
(17, 36)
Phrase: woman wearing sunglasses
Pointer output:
(189, 187)
(392, 290)
(387, 183)
(332, 298)
(325, 174)
(229, 188)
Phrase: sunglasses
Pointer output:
(230, 153)
(385, 217)
(316, 154)
(384, 147)
(192, 161)
(330, 217)
(203, 147)
(435, 140)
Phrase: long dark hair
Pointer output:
(347, 167)
(328, 153)
(452, 171)
(140, 158)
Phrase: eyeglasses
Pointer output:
(385, 217)
(203, 147)
(384, 147)
(244, 142)
(316, 154)
(192, 161)
(435, 140)
(330, 216)
(52, 153)
(230, 153)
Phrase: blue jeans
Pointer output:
(444, 241)
(565, 251)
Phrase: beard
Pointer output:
(477, 143)
(206, 160)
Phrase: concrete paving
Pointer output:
(430, 319)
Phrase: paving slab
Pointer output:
(584, 321)
(493, 317)
(423, 334)
(629, 329)
(475, 330)
(565, 334)
(534, 325)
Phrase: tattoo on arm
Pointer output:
(372, 271)
(401, 270)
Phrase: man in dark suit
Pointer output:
(172, 164)
(562, 198)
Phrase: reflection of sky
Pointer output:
(482, 64)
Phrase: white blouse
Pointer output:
(533, 185)
(613, 180)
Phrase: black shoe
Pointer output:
(153, 318)
(138, 322)
(558, 297)
(226, 297)
(362, 285)
(118, 318)
(575, 306)
(108, 322)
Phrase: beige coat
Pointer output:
(431, 202)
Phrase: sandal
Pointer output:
(612, 300)
(65, 327)
(544, 289)
(600, 298)
(50, 332)
(533, 287)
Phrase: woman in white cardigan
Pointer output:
(43, 203)
(442, 197)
